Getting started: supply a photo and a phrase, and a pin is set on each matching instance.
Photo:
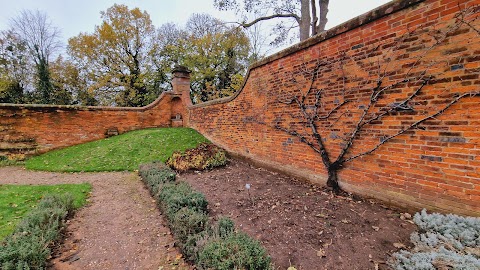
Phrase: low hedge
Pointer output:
(155, 174)
(187, 216)
(234, 251)
(29, 246)
(172, 197)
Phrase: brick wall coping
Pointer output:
(370, 16)
(50, 107)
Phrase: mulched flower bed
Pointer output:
(303, 225)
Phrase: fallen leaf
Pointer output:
(399, 245)
(321, 253)
(291, 268)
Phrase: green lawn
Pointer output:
(17, 200)
(118, 153)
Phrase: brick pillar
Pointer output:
(181, 89)
(181, 83)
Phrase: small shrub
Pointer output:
(174, 196)
(156, 174)
(443, 242)
(188, 226)
(204, 156)
(28, 246)
(225, 227)
(236, 251)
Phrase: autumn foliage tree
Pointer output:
(349, 105)
(216, 54)
(115, 57)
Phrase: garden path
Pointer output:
(120, 228)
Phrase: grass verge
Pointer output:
(118, 153)
(17, 200)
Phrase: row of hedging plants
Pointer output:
(29, 247)
(210, 245)
(442, 242)
(204, 156)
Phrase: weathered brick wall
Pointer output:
(32, 129)
(402, 45)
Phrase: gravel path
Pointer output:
(120, 228)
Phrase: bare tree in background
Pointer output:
(355, 123)
(42, 40)
(310, 16)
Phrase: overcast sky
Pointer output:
(75, 16)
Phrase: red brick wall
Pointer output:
(436, 165)
(32, 129)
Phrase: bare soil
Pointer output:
(120, 228)
(302, 225)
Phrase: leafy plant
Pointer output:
(16, 201)
(225, 227)
(28, 246)
(202, 157)
(175, 196)
(155, 174)
(442, 242)
(188, 226)
(236, 251)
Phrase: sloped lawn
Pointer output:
(17, 200)
(119, 153)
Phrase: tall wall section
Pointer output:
(417, 58)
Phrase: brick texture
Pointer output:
(436, 165)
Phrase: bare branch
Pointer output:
(416, 124)
(265, 18)
(298, 135)
(333, 110)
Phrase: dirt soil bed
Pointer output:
(120, 228)
(303, 225)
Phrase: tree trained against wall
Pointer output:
(348, 105)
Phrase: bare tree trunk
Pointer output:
(322, 21)
(332, 180)
(314, 17)
(305, 20)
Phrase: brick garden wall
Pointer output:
(32, 129)
(407, 48)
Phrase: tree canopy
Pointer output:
(114, 58)
(32, 41)
(124, 61)
(217, 55)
